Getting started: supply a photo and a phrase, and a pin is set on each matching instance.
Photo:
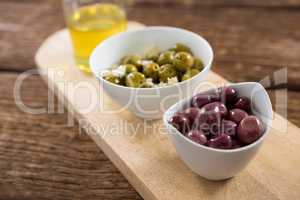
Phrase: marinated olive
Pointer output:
(201, 124)
(217, 107)
(135, 79)
(129, 68)
(198, 64)
(189, 74)
(243, 103)
(131, 59)
(113, 79)
(237, 115)
(181, 123)
(183, 61)
(180, 48)
(230, 94)
(211, 116)
(192, 113)
(222, 141)
(197, 136)
(151, 70)
(167, 71)
(228, 127)
(211, 119)
(166, 57)
(152, 54)
(200, 100)
(213, 123)
(249, 129)
(161, 68)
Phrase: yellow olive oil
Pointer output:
(90, 25)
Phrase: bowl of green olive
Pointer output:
(148, 70)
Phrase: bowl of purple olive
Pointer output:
(217, 132)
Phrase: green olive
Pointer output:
(129, 68)
(113, 79)
(183, 61)
(167, 71)
(131, 59)
(151, 70)
(134, 60)
(152, 55)
(156, 68)
(189, 74)
(198, 64)
(181, 48)
(166, 57)
(135, 79)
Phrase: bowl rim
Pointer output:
(241, 149)
(146, 29)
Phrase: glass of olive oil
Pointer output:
(89, 23)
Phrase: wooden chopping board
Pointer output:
(143, 153)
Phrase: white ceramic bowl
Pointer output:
(218, 164)
(149, 103)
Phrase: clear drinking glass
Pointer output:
(89, 23)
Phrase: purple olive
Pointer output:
(228, 127)
(230, 94)
(200, 100)
(203, 123)
(219, 119)
(223, 141)
(249, 129)
(181, 123)
(225, 126)
(209, 121)
(192, 113)
(197, 136)
(236, 115)
(215, 107)
(210, 117)
(243, 103)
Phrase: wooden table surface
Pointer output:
(43, 158)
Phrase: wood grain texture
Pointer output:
(24, 25)
(147, 158)
(240, 43)
(41, 158)
(235, 3)
(268, 43)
